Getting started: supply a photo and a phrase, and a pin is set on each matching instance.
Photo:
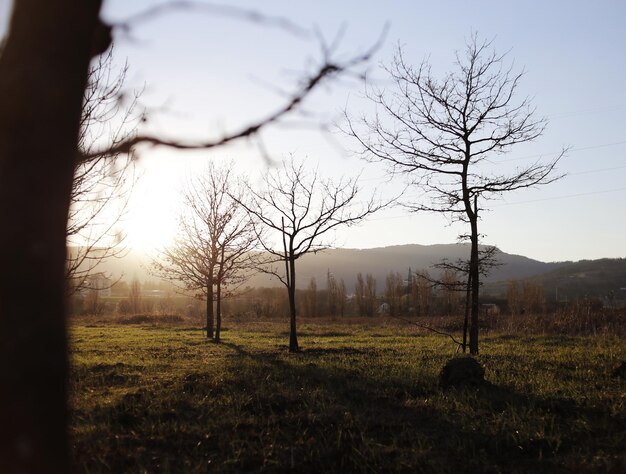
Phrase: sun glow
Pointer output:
(149, 226)
(156, 204)
(152, 218)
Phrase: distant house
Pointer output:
(99, 282)
(153, 293)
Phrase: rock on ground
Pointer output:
(462, 372)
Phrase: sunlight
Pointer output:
(149, 228)
(151, 221)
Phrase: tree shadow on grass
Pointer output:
(394, 414)
(272, 411)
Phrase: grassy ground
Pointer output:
(357, 399)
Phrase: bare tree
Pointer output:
(294, 214)
(394, 287)
(533, 299)
(336, 295)
(369, 297)
(423, 292)
(513, 297)
(332, 293)
(134, 296)
(93, 305)
(310, 299)
(440, 134)
(359, 294)
(102, 185)
(215, 238)
(341, 297)
(449, 283)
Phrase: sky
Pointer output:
(206, 72)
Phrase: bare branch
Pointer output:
(329, 69)
(238, 13)
(102, 186)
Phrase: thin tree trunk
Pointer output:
(474, 271)
(468, 299)
(475, 284)
(209, 310)
(43, 73)
(218, 290)
(218, 312)
(293, 334)
(290, 278)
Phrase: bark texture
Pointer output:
(43, 73)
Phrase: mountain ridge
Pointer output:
(345, 263)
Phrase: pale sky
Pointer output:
(208, 72)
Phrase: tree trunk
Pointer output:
(475, 286)
(291, 289)
(474, 270)
(468, 300)
(43, 73)
(209, 310)
(218, 312)
(290, 279)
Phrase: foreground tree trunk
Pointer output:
(291, 289)
(43, 74)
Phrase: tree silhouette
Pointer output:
(214, 242)
(369, 295)
(294, 214)
(441, 133)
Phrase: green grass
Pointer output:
(357, 399)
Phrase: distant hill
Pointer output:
(346, 263)
(562, 280)
(584, 279)
(127, 265)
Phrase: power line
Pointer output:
(571, 150)
(596, 110)
(539, 155)
(554, 198)
(598, 170)
(576, 173)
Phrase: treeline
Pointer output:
(417, 294)
(122, 298)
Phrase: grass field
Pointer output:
(357, 399)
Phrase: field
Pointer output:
(358, 398)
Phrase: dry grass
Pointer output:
(361, 397)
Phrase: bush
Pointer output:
(123, 307)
